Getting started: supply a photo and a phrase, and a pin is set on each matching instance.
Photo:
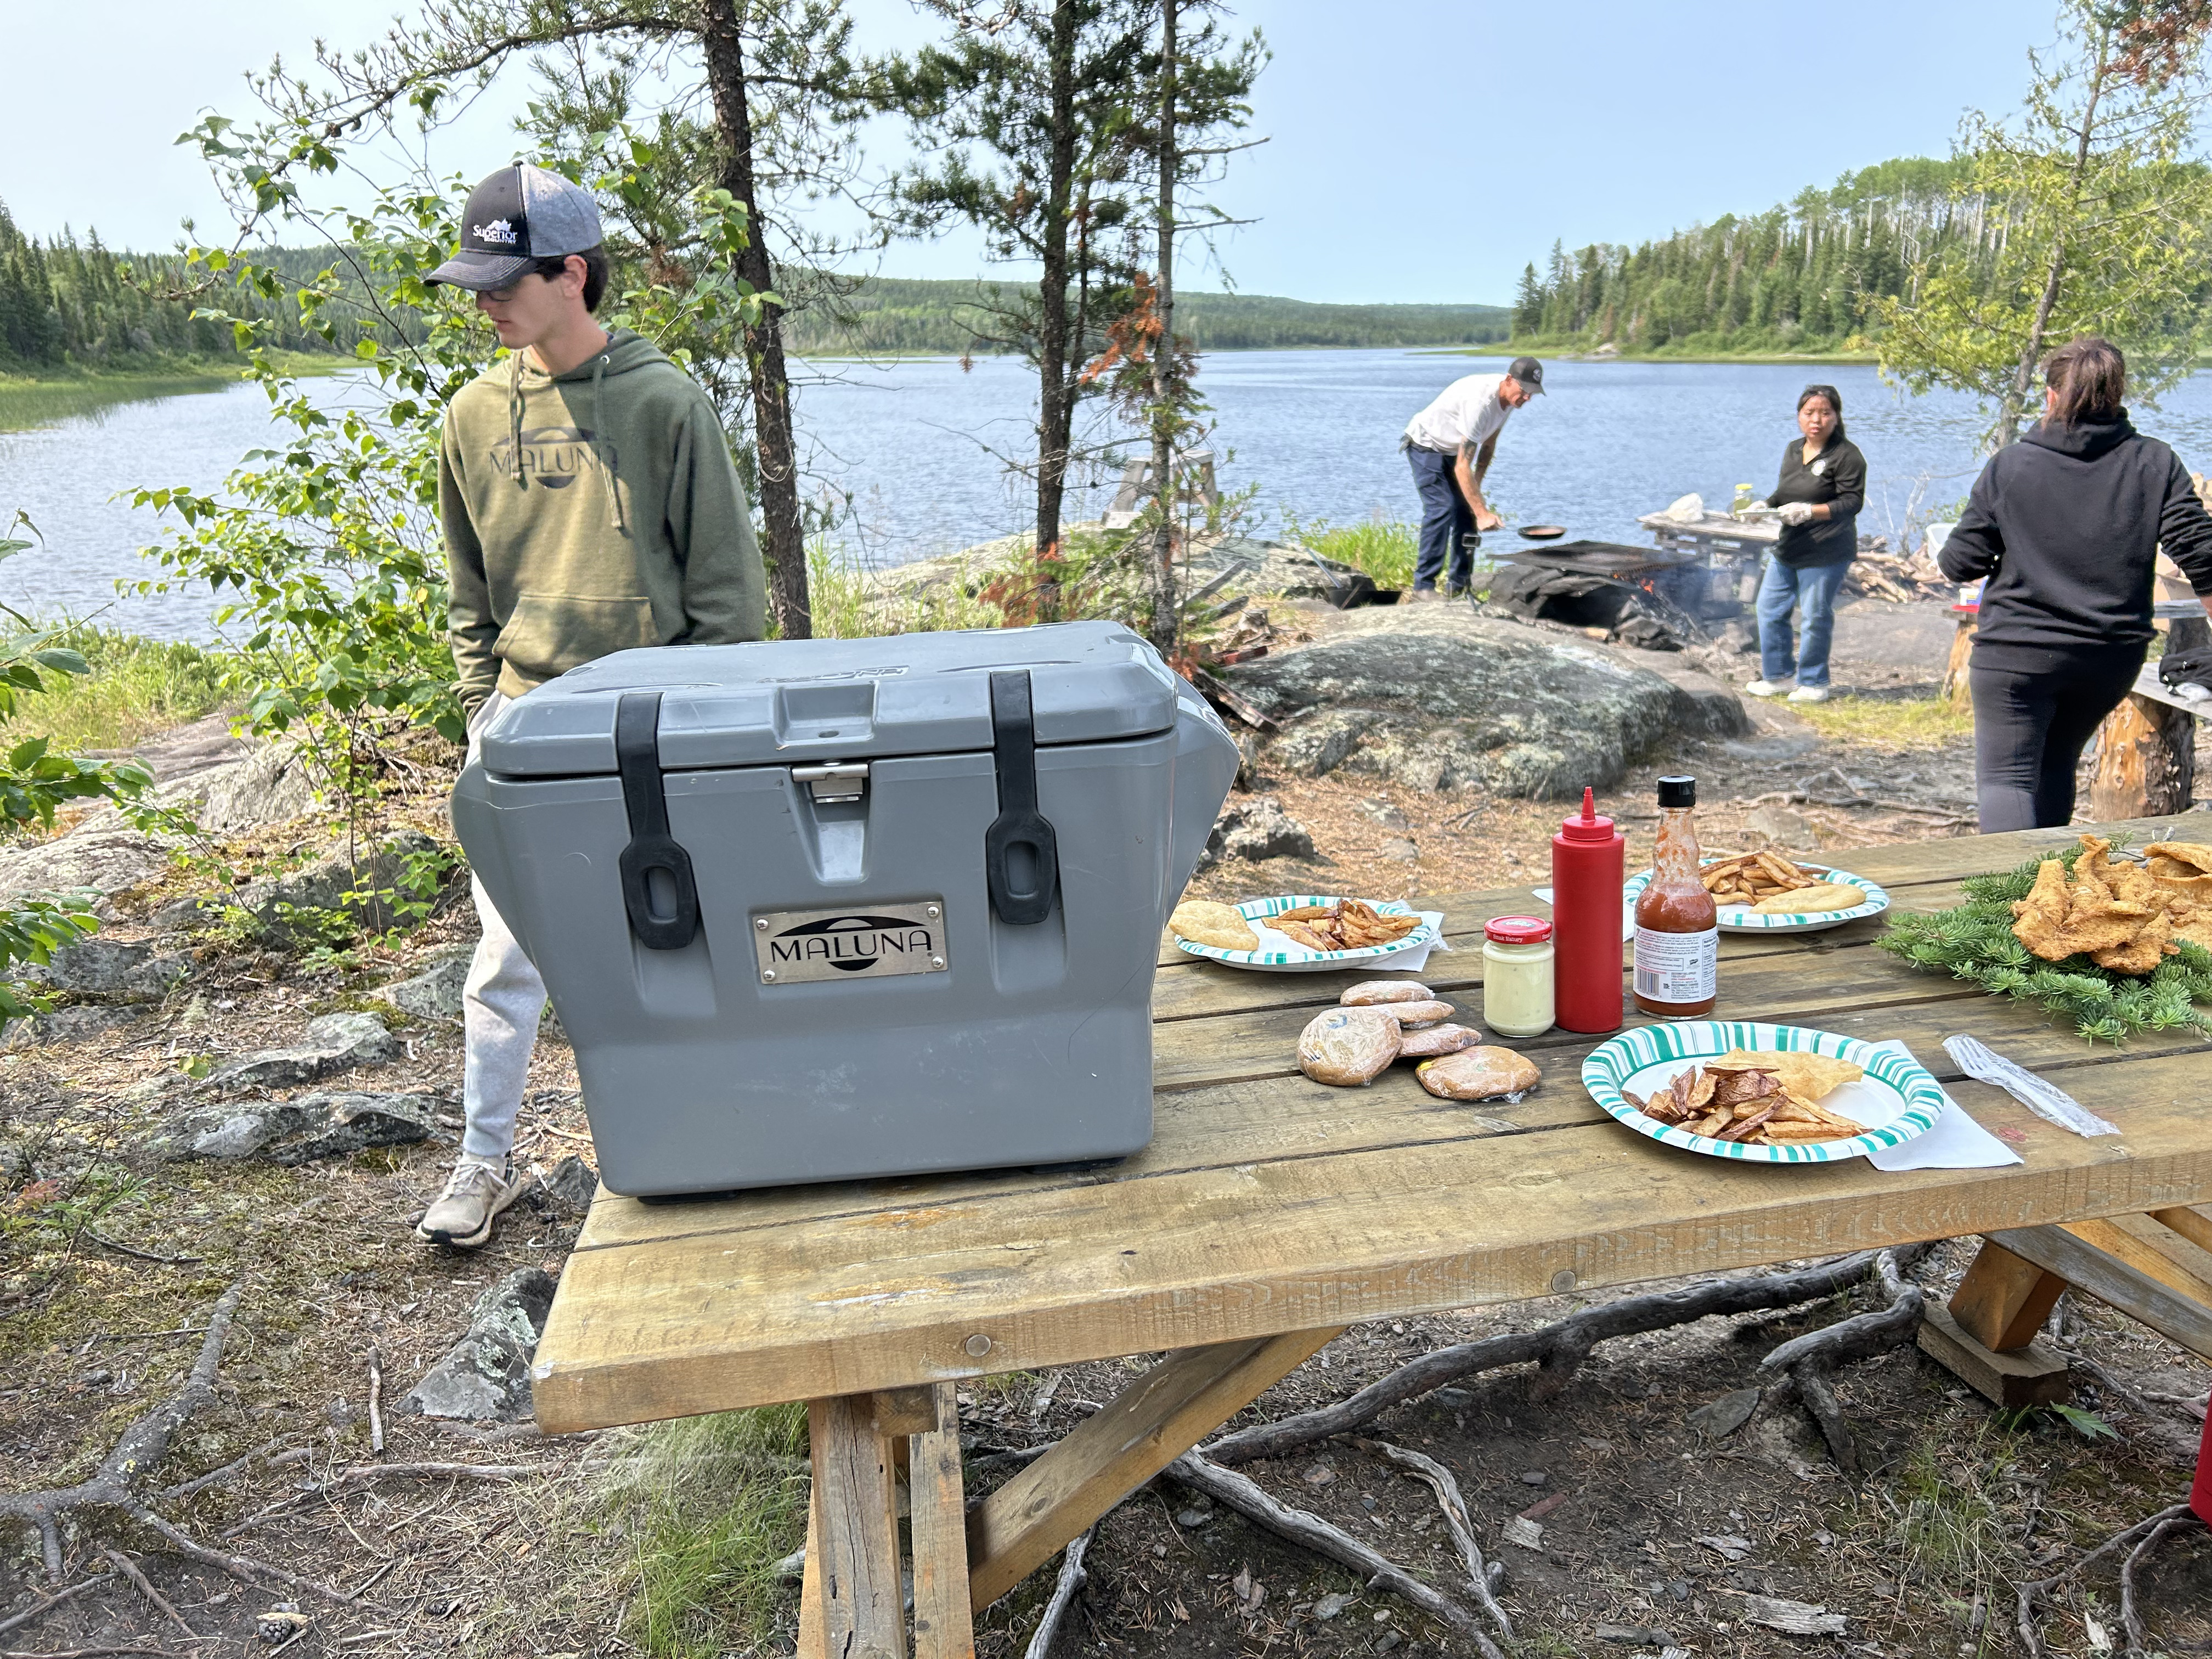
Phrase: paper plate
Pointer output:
(1278, 953)
(1897, 1099)
(1741, 919)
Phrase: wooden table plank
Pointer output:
(1267, 1204)
(1221, 1125)
(833, 1306)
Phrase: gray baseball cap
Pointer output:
(518, 215)
(1527, 370)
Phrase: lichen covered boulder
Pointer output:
(1435, 697)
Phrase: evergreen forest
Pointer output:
(67, 304)
(894, 314)
(1801, 278)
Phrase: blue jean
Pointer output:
(1446, 521)
(1784, 590)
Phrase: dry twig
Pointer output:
(376, 1400)
(1240, 1493)
(1072, 1579)
(2030, 1594)
(1439, 1480)
(129, 1569)
(17, 1620)
(1558, 1350)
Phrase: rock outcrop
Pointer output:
(291, 1132)
(485, 1377)
(1434, 697)
(333, 1043)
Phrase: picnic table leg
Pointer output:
(944, 1627)
(1986, 1336)
(1152, 1422)
(810, 1645)
(855, 1531)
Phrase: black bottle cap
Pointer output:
(1678, 791)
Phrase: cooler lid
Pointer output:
(781, 701)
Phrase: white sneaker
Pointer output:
(1768, 688)
(1809, 694)
(463, 1214)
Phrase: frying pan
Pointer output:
(1542, 532)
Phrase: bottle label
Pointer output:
(1677, 967)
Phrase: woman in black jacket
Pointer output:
(1823, 486)
(2066, 525)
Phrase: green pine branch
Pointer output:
(1974, 942)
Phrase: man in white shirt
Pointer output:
(1450, 444)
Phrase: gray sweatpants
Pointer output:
(501, 1002)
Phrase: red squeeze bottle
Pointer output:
(1589, 861)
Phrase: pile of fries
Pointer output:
(1346, 925)
(1750, 877)
(1742, 1102)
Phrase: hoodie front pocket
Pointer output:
(550, 634)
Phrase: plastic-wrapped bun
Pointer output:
(1348, 1046)
(1482, 1073)
(1410, 1014)
(1370, 992)
(1432, 1041)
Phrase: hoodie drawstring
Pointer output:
(515, 418)
(605, 451)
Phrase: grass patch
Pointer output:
(852, 602)
(1385, 549)
(137, 687)
(1888, 723)
(708, 1505)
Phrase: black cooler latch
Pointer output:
(1021, 855)
(657, 890)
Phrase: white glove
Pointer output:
(1796, 512)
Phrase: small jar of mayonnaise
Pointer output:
(1516, 975)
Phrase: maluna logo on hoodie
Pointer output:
(556, 456)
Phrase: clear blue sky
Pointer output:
(1419, 149)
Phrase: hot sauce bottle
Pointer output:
(1678, 936)
(1588, 861)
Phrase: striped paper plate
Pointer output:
(1281, 954)
(1896, 1099)
(1741, 919)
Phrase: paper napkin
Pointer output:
(1956, 1141)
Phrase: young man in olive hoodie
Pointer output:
(590, 505)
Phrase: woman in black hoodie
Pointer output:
(2066, 523)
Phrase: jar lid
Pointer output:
(1517, 930)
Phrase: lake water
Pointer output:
(918, 448)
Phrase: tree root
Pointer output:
(137, 1453)
(2130, 1620)
(1240, 1493)
(1558, 1350)
(1439, 1480)
(1809, 1361)
(1072, 1579)
(2149, 1531)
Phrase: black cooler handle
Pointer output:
(1023, 900)
(652, 849)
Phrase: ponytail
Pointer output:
(2090, 377)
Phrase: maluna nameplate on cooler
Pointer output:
(871, 941)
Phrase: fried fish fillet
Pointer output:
(1203, 921)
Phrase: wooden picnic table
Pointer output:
(1268, 1213)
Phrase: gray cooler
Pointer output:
(825, 908)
